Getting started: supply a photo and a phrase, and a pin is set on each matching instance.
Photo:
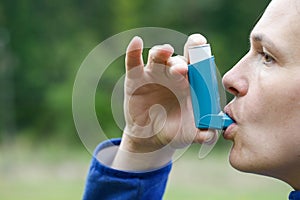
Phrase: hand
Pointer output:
(158, 108)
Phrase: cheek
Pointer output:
(274, 100)
(269, 129)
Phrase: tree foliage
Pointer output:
(42, 44)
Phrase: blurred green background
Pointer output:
(42, 44)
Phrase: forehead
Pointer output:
(281, 13)
(281, 24)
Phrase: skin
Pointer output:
(265, 83)
(170, 89)
(151, 130)
(266, 106)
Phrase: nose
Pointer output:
(236, 81)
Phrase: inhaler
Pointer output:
(204, 90)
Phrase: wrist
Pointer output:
(134, 144)
(134, 156)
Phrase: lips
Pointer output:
(228, 111)
(229, 133)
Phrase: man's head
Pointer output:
(266, 107)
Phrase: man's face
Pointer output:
(266, 107)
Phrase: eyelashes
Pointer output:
(267, 58)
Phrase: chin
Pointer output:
(245, 162)
(237, 162)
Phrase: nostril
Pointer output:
(233, 91)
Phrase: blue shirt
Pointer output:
(106, 183)
(295, 195)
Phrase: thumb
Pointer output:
(206, 136)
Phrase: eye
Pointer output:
(267, 58)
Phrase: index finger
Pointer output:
(134, 53)
(193, 40)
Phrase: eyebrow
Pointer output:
(258, 37)
(265, 42)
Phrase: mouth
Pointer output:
(229, 133)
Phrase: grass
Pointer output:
(45, 173)
(55, 172)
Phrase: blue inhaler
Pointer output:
(204, 90)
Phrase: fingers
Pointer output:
(159, 55)
(134, 59)
(193, 40)
(178, 65)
